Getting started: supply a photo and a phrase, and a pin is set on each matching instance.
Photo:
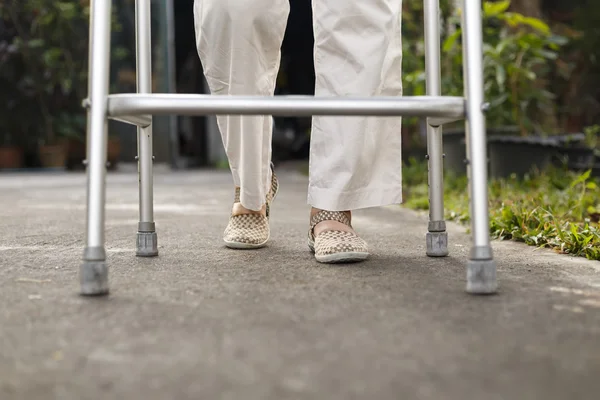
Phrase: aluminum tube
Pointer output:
(144, 86)
(197, 104)
(476, 135)
(172, 78)
(86, 102)
(433, 88)
(143, 46)
(99, 67)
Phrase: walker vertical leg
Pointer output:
(93, 272)
(437, 237)
(147, 241)
(481, 267)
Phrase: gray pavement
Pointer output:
(204, 322)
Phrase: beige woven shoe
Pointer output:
(250, 231)
(336, 246)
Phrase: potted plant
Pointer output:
(11, 152)
(47, 78)
(52, 42)
(11, 155)
(519, 54)
(13, 131)
(584, 155)
(113, 151)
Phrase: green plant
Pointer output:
(519, 53)
(558, 209)
(50, 45)
(592, 139)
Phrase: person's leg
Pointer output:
(239, 44)
(355, 162)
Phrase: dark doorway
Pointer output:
(291, 136)
(191, 131)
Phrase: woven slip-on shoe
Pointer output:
(250, 231)
(335, 246)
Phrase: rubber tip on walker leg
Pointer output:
(146, 244)
(481, 277)
(94, 278)
(437, 244)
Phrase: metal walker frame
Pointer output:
(138, 108)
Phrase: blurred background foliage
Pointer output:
(540, 61)
(541, 64)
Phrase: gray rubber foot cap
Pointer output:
(481, 277)
(94, 278)
(147, 244)
(437, 244)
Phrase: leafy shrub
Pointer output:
(558, 209)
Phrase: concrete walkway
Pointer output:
(203, 322)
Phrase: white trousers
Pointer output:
(355, 162)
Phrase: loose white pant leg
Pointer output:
(239, 44)
(355, 162)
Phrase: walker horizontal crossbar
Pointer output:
(125, 105)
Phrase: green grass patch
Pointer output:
(558, 209)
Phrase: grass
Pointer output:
(558, 209)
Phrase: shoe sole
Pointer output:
(339, 258)
(245, 246)
(342, 258)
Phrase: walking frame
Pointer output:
(138, 108)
